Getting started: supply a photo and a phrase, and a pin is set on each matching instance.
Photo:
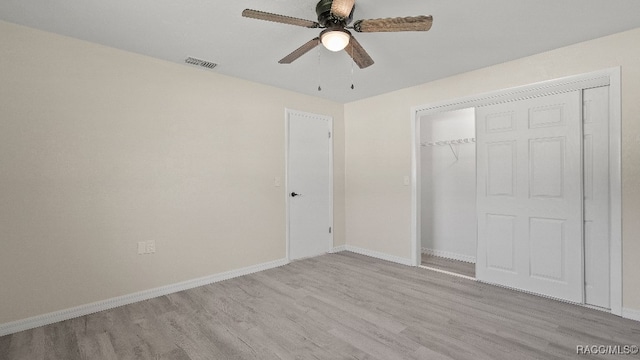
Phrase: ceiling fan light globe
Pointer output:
(335, 40)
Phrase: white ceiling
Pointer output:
(466, 35)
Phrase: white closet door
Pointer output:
(529, 189)
(596, 196)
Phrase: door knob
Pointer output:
(293, 194)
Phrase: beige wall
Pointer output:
(378, 144)
(101, 148)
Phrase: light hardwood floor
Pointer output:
(454, 266)
(337, 306)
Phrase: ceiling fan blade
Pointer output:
(300, 51)
(358, 54)
(410, 23)
(342, 8)
(261, 15)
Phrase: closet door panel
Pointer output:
(548, 248)
(500, 254)
(596, 197)
(501, 169)
(546, 168)
(529, 176)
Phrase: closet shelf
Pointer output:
(449, 142)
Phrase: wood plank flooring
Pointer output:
(454, 266)
(335, 306)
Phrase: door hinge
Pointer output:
(329, 134)
(329, 229)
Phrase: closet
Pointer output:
(448, 165)
(521, 190)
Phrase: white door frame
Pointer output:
(287, 113)
(605, 77)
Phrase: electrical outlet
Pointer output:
(151, 246)
(142, 247)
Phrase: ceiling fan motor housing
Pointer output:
(327, 19)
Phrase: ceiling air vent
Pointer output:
(198, 62)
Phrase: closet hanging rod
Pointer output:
(449, 142)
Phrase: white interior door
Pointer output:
(596, 196)
(529, 188)
(309, 184)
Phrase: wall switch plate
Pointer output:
(407, 181)
(142, 247)
(151, 246)
(276, 181)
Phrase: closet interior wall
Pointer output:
(448, 185)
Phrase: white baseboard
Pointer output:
(46, 319)
(379, 255)
(631, 314)
(338, 249)
(449, 255)
(448, 273)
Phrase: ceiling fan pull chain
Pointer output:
(352, 87)
(319, 87)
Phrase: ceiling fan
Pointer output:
(334, 16)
